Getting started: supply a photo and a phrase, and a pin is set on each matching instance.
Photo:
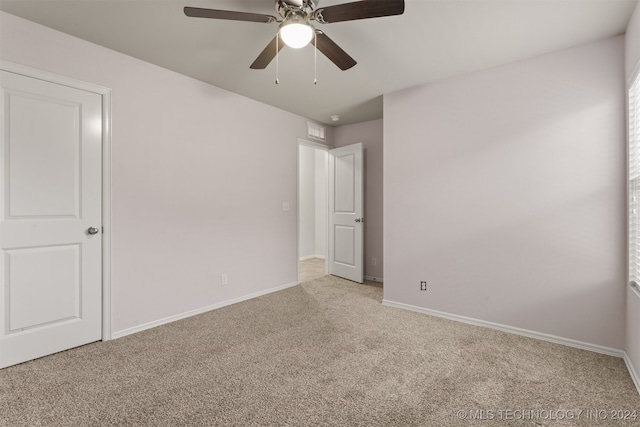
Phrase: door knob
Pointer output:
(359, 219)
(93, 230)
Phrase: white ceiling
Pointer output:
(433, 40)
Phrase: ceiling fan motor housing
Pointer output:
(290, 9)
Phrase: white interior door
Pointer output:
(345, 212)
(50, 218)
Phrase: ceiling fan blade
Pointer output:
(267, 55)
(332, 51)
(197, 12)
(359, 10)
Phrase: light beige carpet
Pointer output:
(324, 353)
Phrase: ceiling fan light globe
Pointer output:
(296, 35)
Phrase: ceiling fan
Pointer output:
(295, 29)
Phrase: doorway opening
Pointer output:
(313, 185)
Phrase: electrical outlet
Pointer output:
(423, 285)
(224, 279)
(374, 262)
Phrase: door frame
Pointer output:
(105, 94)
(317, 146)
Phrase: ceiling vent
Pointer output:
(316, 131)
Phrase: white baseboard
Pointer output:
(511, 329)
(374, 279)
(197, 311)
(304, 258)
(632, 372)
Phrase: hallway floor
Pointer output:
(311, 269)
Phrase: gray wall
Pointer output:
(197, 188)
(505, 191)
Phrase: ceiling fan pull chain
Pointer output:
(315, 58)
(277, 61)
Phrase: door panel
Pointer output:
(51, 169)
(345, 212)
(44, 184)
(345, 179)
(344, 247)
(33, 302)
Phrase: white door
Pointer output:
(50, 197)
(346, 222)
